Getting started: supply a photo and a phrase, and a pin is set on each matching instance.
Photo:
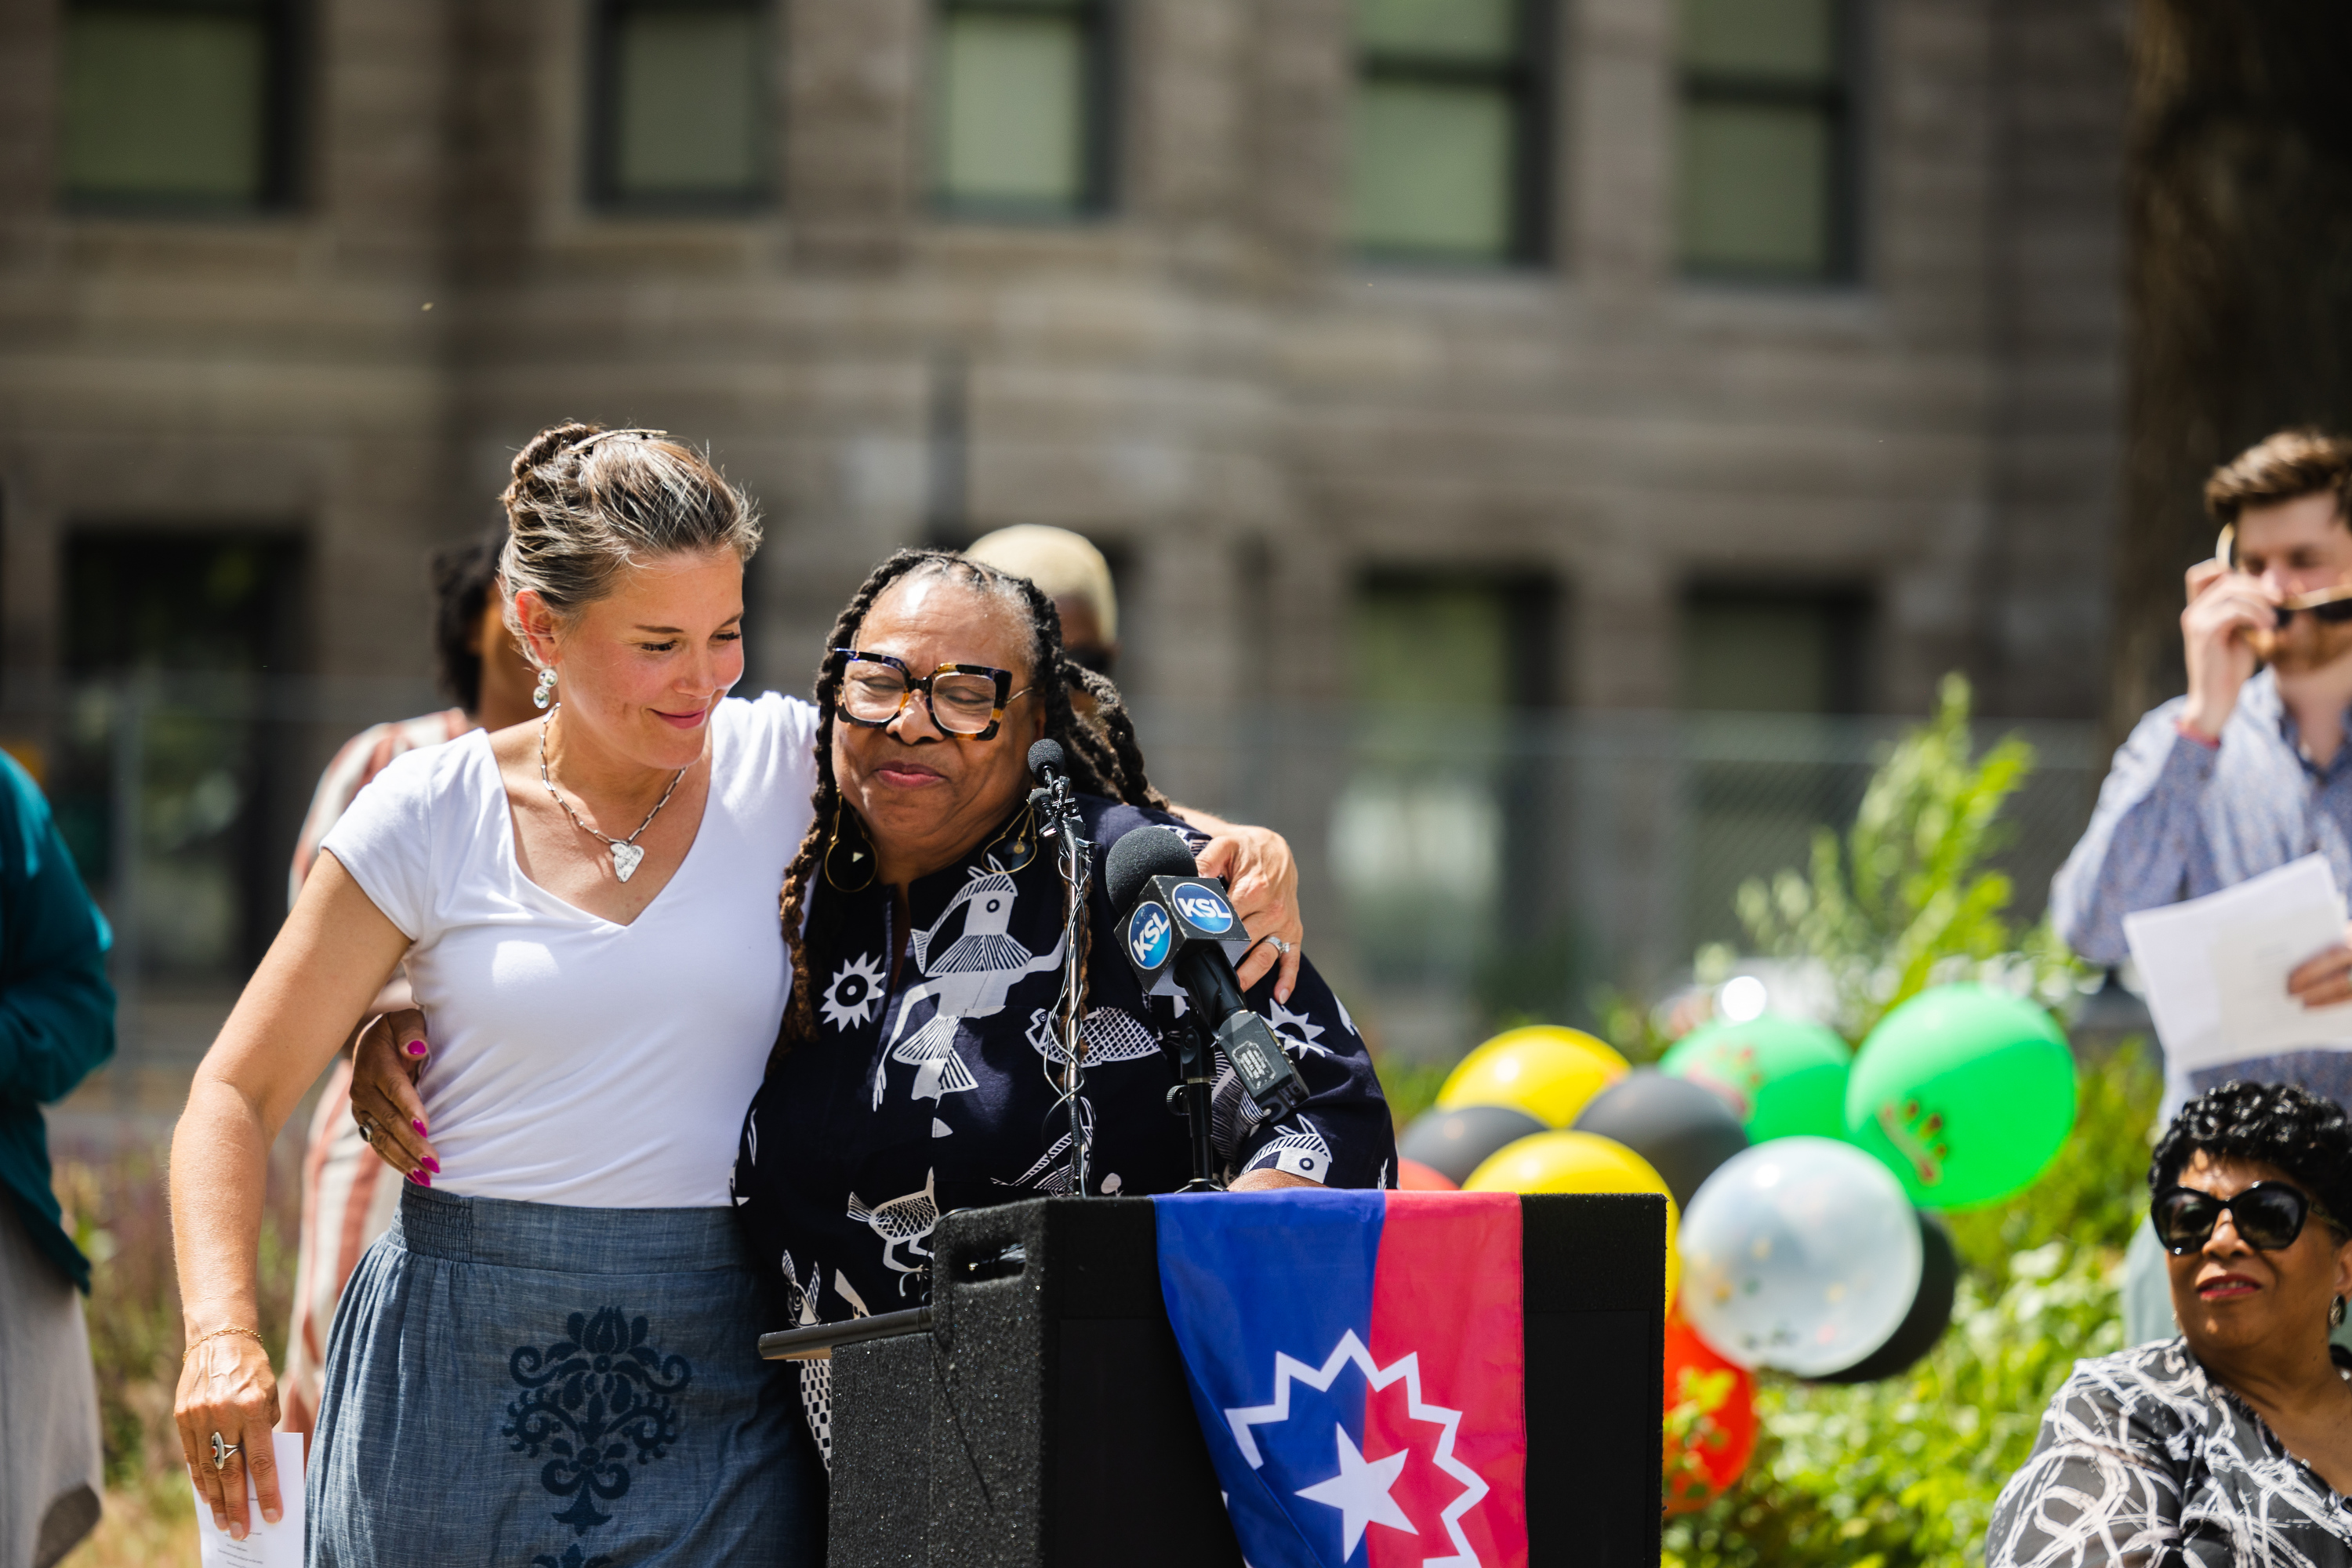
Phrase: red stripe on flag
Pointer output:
(1446, 1292)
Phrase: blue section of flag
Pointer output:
(1250, 1277)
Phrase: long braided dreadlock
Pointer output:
(1103, 756)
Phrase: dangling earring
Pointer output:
(859, 859)
(2335, 1313)
(545, 691)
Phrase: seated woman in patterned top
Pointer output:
(915, 1070)
(2231, 1444)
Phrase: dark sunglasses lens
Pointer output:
(2183, 1220)
(2335, 612)
(2269, 1217)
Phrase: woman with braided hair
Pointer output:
(916, 1070)
(552, 1356)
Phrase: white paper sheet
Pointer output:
(265, 1545)
(2216, 967)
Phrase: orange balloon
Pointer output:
(1412, 1176)
(1710, 1418)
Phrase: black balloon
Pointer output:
(1684, 1131)
(1930, 1313)
(1455, 1142)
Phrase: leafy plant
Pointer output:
(1903, 1473)
(115, 1209)
(1907, 900)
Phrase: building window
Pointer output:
(1446, 128)
(1762, 652)
(1020, 113)
(170, 640)
(1431, 840)
(682, 107)
(1765, 183)
(175, 104)
(1764, 675)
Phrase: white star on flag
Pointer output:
(1405, 1369)
(1361, 1492)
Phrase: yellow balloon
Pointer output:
(1545, 1071)
(1579, 1163)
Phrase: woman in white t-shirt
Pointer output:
(552, 1357)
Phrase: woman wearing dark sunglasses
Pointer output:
(2231, 1444)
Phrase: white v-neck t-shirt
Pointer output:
(576, 1061)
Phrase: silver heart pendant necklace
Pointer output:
(625, 853)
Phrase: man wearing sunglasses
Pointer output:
(2248, 770)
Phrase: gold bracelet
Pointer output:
(253, 1334)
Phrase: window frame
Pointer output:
(1850, 615)
(602, 176)
(1102, 31)
(1531, 81)
(1840, 101)
(285, 43)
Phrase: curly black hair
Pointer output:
(2308, 1138)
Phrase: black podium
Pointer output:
(1041, 1420)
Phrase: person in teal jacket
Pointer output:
(56, 1024)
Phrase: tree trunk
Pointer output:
(2239, 189)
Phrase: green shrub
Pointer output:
(1907, 902)
(1905, 1472)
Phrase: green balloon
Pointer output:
(1781, 1076)
(1966, 1094)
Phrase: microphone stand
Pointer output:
(1194, 1056)
(1075, 857)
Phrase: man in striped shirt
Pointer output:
(2248, 771)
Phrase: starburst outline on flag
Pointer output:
(1351, 1350)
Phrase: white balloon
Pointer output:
(1800, 1253)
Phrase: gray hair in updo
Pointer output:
(587, 503)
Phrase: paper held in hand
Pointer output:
(2216, 967)
(265, 1545)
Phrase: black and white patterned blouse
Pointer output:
(930, 1092)
(2145, 1460)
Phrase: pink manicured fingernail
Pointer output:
(420, 1178)
(418, 1125)
(431, 1164)
(416, 1047)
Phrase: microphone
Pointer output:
(1174, 920)
(1047, 761)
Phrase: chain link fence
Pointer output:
(1457, 868)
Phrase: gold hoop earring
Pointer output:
(860, 859)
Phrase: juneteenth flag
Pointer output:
(1357, 1360)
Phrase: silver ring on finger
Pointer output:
(368, 1128)
(223, 1451)
(1280, 946)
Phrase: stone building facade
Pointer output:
(1195, 363)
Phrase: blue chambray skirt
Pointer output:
(534, 1386)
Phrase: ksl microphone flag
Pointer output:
(1357, 1361)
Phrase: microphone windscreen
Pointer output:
(1146, 853)
(1046, 757)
